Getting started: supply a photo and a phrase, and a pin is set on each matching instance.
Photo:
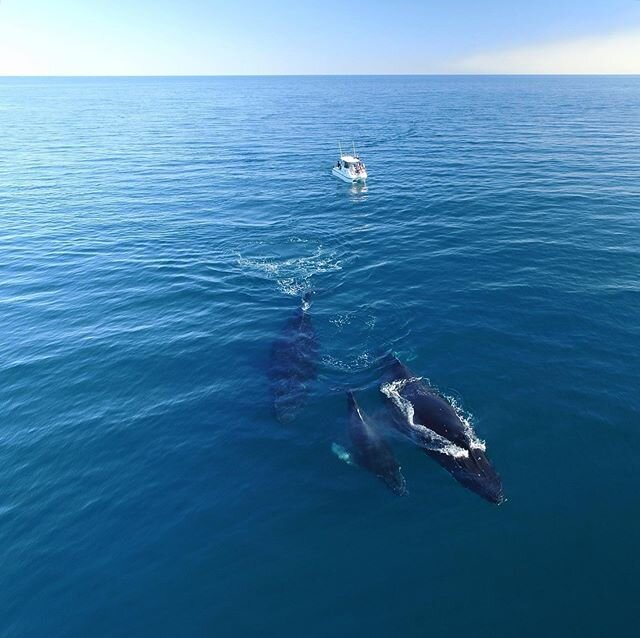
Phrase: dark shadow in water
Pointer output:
(293, 363)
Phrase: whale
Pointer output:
(369, 450)
(293, 363)
(422, 415)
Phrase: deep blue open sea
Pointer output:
(155, 236)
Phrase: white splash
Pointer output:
(342, 319)
(293, 275)
(292, 287)
(362, 361)
(467, 422)
(428, 438)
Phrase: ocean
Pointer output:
(157, 234)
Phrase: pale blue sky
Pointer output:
(141, 37)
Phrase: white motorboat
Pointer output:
(350, 168)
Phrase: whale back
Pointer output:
(430, 409)
(475, 472)
(416, 403)
(371, 451)
(293, 363)
(437, 414)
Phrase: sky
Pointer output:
(251, 37)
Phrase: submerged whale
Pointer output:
(433, 424)
(369, 450)
(293, 363)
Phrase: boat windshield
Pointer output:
(352, 165)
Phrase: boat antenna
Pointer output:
(340, 147)
(354, 148)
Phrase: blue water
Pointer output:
(157, 234)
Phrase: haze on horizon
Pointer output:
(200, 37)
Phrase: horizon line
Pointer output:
(307, 75)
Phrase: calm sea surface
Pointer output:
(156, 234)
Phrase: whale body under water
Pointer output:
(369, 450)
(293, 363)
(432, 423)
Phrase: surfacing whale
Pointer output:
(433, 424)
(293, 363)
(369, 450)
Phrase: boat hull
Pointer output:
(345, 178)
